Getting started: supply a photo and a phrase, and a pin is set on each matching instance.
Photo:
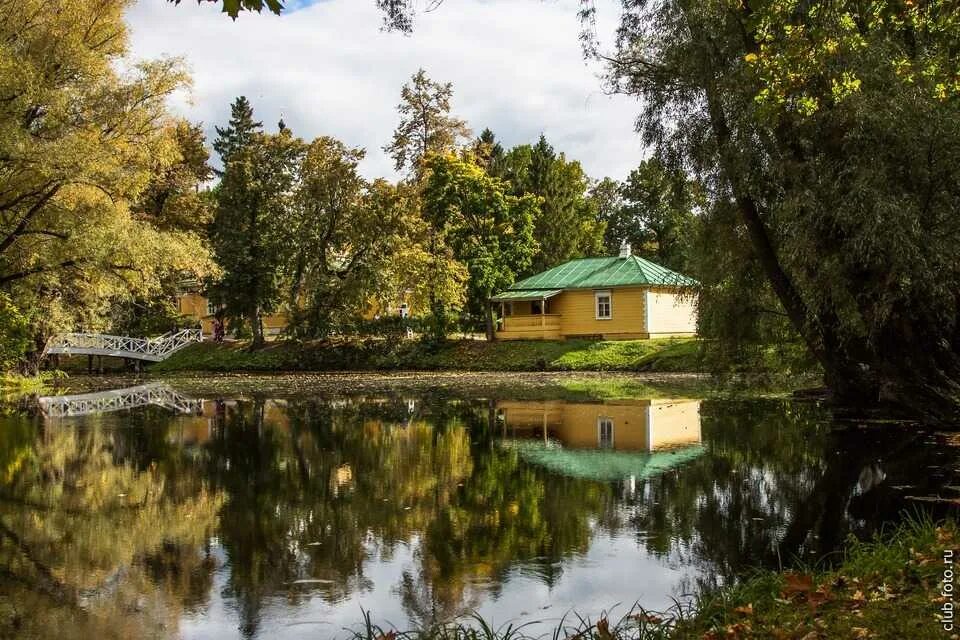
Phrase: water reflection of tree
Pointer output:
(105, 530)
(775, 484)
(473, 509)
(314, 491)
(77, 522)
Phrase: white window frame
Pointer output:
(606, 293)
(601, 422)
(212, 309)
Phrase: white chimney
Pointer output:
(625, 251)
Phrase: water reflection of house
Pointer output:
(627, 425)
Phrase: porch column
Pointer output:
(543, 313)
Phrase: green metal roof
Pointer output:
(600, 464)
(595, 273)
(526, 294)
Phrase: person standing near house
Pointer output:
(218, 331)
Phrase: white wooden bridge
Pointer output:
(100, 344)
(156, 393)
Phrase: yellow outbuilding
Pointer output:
(614, 298)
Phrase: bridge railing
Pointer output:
(123, 346)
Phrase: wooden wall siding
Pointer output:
(578, 312)
(669, 313)
(193, 305)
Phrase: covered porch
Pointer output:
(525, 315)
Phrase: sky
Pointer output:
(327, 68)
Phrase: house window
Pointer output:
(605, 432)
(604, 305)
(536, 307)
(212, 308)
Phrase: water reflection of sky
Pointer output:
(612, 575)
(442, 510)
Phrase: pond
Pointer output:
(154, 511)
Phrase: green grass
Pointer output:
(887, 588)
(12, 383)
(664, 355)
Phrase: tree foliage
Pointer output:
(653, 210)
(80, 143)
(490, 231)
(566, 225)
(834, 134)
(255, 211)
(354, 244)
(427, 128)
(426, 124)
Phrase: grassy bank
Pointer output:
(12, 383)
(885, 589)
(665, 355)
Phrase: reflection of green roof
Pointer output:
(526, 294)
(593, 273)
(600, 464)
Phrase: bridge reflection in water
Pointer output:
(156, 393)
(619, 440)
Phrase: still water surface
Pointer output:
(260, 517)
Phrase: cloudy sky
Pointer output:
(328, 69)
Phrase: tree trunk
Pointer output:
(488, 316)
(256, 329)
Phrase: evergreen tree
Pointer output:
(488, 153)
(239, 133)
(566, 225)
(253, 215)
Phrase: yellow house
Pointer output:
(614, 298)
(194, 304)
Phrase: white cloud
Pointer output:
(515, 65)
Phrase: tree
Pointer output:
(566, 225)
(488, 153)
(426, 125)
(172, 201)
(607, 201)
(490, 231)
(834, 134)
(239, 134)
(656, 215)
(173, 198)
(352, 242)
(79, 143)
(253, 216)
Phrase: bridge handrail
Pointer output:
(158, 347)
